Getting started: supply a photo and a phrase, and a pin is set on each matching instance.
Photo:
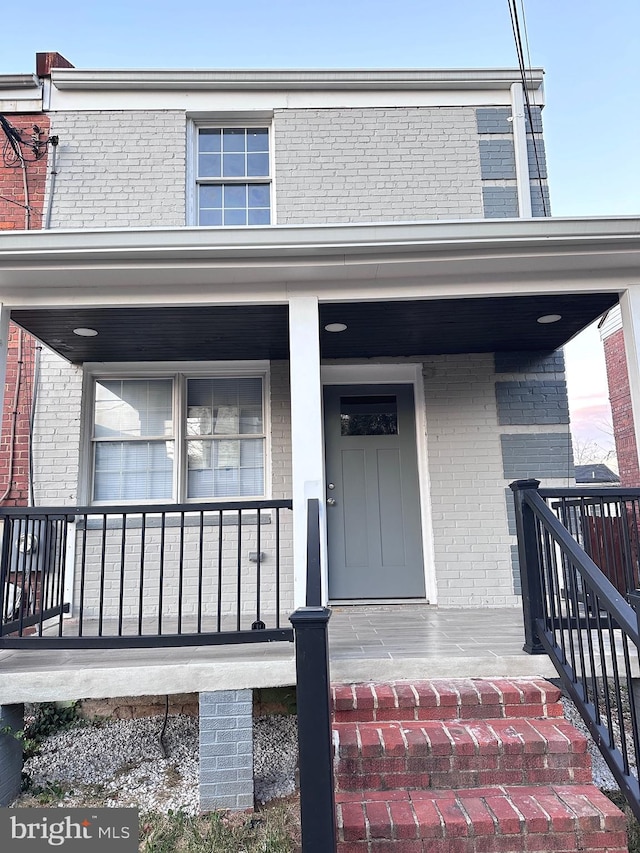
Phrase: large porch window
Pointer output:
(178, 438)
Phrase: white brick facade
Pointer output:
(119, 169)
(363, 165)
(56, 440)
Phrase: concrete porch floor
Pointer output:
(366, 643)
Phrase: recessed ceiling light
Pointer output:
(549, 318)
(85, 333)
(335, 327)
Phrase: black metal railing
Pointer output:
(606, 524)
(586, 625)
(147, 575)
(315, 742)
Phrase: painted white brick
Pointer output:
(119, 169)
(359, 165)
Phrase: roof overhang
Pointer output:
(206, 293)
(293, 79)
(335, 262)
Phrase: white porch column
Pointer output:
(5, 315)
(306, 431)
(521, 153)
(630, 310)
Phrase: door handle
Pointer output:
(331, 501)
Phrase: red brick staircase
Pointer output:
(465, 766)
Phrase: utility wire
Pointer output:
(515, 26)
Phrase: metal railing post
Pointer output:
(315, 742)
(530, 569)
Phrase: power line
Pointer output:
(515, 26)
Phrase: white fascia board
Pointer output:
(336, 263)
(10, 82)
(211, 104)
(296, 240)
(273, 79)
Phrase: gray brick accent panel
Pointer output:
(529, 362)
(376, 164)
(511, 511)
(226, 750)
(542, 158)
(515, 567)
(497, 159)
(536, 200)
(494, 120)
(536, 115)
(532, 402)
(500, 202)
(10, 753)
(543, 455)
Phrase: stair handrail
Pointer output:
(560, 620)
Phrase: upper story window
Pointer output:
(233, 176)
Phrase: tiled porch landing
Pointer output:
(366, 643)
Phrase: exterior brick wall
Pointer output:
(14, 440)
(621, 412)
(120, 169)
(12, 214)
(56, 440)
(362, 165)
(14, 455)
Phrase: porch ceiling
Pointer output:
(381, 328)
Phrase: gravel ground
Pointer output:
(121, 763)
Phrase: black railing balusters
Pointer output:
(588, 633)
(180, 571)
(42, 594)
(141, 572)
(83, 573)
(103, 565)
(135, 560)
(277, 601)
(161, 572)
(239, 571)
(220, 567)
(123, 559)
(258, 624)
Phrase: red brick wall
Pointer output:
(14, 440)
(12, 215)
(620, 397)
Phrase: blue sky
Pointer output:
(590, 51)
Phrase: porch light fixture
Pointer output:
(549, 318)
(85, 333)
(335, 327)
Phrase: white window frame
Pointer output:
(179, 372)
(221, 121)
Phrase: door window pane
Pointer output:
(372, 415)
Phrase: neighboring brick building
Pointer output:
(20, 212)
(620, 398)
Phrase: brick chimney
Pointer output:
(46, 61)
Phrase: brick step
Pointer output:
(446, 699)
(482, 820)
(458, 754)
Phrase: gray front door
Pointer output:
(373, 507)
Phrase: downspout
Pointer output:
(523, 177)
(53, 140)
